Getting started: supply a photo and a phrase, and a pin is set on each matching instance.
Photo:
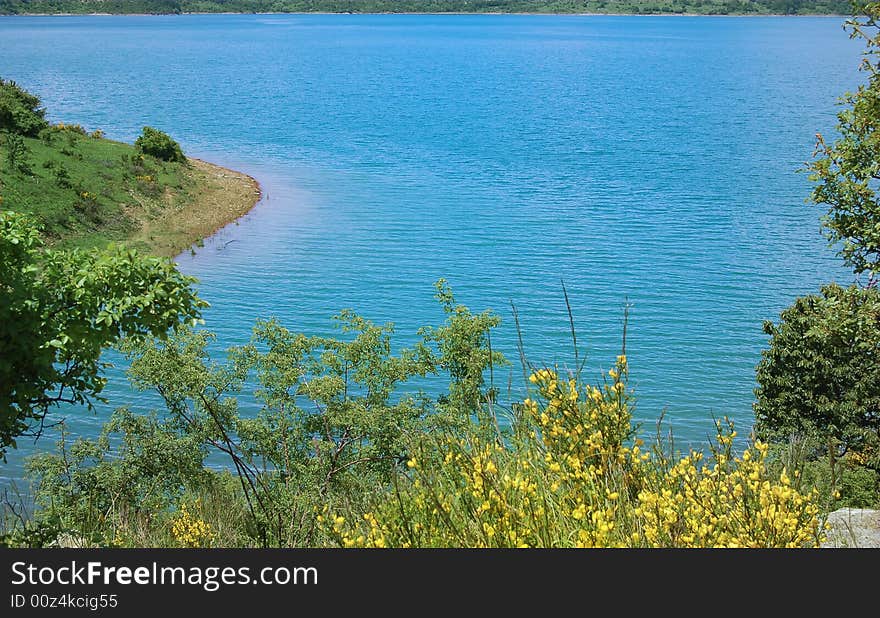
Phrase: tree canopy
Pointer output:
(60, 309)
(847, 170)
(20, 111)
(821, 374)
(159, 144)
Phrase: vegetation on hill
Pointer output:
(60, 308)
(704, 7)
(83, 190)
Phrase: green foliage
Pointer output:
(62, 176)
(840, 481)
(60, 309)
(848, 169)
(160, 145)
(136, 474)
(16, 153)
(21, 531)
(333, 426)
(20, 111)
(124, 190)
(344, 450)
(819, 381)
(464, 342)
(820, 376)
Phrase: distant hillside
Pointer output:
(704, 7)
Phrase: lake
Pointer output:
(643, 160)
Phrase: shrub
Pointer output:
(840, 482)
(160, 145)
(87, 205)
(16, 153)
(59, 310)
(20, 111)
(71, 130)
(190, 530)
(340, 454)
(571, 475)
(136, 468)
(62, 177)
(820, 377)
(147, 184)
(331, 429)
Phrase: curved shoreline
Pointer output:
(221, 197)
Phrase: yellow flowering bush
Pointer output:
(190, 530)
(71, 128)
(728, 502)
(572, 474)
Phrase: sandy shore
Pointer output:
(220, 197)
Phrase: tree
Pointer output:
(819, 381)
(334, 422)
(820, 376)
(60, 309)
(158, 144)
(20, 111)
(848, 171)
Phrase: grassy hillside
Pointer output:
(87, 191)
(707, 7)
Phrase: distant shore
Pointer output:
(837, 15)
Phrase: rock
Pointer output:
(68, 541)
(853, 528)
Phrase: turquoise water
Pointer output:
(644, 158)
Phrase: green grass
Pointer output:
(86, 191)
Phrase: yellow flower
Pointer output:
(190, 531)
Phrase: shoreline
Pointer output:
(222, 196)
(426, 13)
